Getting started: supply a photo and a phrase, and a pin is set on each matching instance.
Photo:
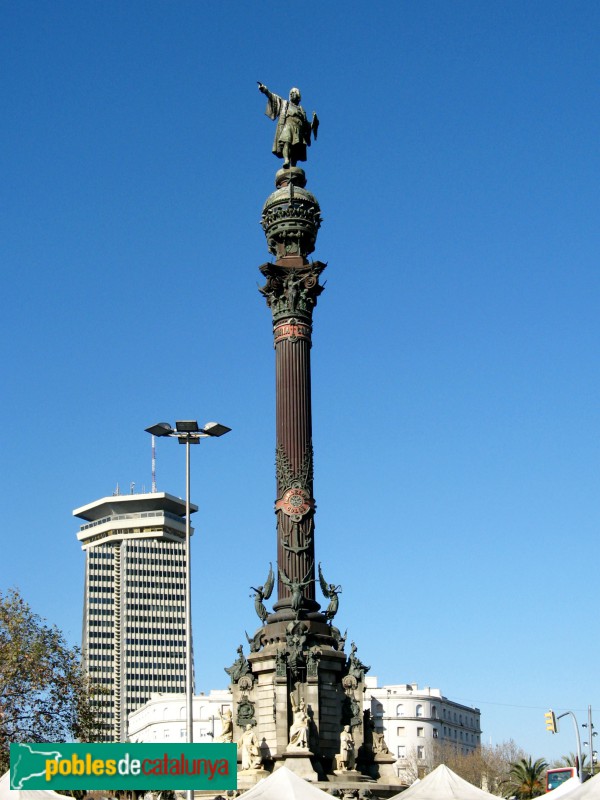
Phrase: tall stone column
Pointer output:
(291, 218)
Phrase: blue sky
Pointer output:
(455, 380)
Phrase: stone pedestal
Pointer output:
(384, 768)
(347, 776)
(248, 778)
(300, 762)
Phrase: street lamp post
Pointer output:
(187, 432)
(577, 741)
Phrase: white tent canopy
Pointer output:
(564, 788)
(283, 784)
(590, 790)
(6, 793)
(443, 784)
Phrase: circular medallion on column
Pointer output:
(295, 502)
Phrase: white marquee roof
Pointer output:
(590, 790)
(565, 788)
(283, 784)
(6, 793)
(443, 784)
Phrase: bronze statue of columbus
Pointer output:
(293, 132)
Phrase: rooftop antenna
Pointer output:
(117, 491)
(132, 488)
(153, 466)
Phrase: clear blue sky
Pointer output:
(455, 359)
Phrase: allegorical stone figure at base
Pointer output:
(299, 726)
(250, 749)
(346, 759)
(293, 132)
(226, 726)
(379, 744)
(356, 668)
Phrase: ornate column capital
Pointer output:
(292, 292)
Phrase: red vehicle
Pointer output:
(554, 777)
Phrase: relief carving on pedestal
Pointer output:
(245, 712)
(295, 640)
(312, 662)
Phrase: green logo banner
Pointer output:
(123, 766)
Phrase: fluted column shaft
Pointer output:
(295, 533)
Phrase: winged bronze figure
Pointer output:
(331, 592)
(295, 588)
(263, 593)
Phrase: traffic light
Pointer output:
(551, 721)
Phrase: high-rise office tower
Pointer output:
(133, 640)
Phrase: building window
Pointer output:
(421, 733)
(435, 733)
(434, 712)
(420, 751)
(400, 710)
(419, 711)
(401, 731)
(401, 751)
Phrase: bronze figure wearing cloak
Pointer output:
(293, 132)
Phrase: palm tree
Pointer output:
(526, 779)
(572, 761)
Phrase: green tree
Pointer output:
(526, 779)
(487, 766)
(571, 760)
(44, 695)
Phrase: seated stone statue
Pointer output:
(299, 727)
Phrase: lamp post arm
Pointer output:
(578, 740)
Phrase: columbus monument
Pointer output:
(297, 694)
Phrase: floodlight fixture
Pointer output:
(215, 429)
(187, 426)
(160, 429)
